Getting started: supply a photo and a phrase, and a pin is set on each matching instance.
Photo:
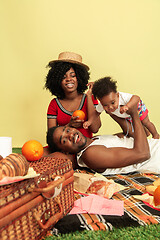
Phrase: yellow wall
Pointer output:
(120, 38)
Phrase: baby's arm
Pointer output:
(88, 123)
(94, 120)
(133, 101)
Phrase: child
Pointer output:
(117, 103)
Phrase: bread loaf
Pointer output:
(103, 188)
(13, 165)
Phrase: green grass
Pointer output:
(149, 232)
(16, 150)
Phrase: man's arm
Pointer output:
(99, 157)
(133, 101)
(124, 124)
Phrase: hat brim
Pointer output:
(71, 61)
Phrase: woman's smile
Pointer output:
(70, 85)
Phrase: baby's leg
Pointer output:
(150, 126)
(146, 131)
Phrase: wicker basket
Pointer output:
(30, 207)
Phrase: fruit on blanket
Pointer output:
(32, 150)
(79, 113)
(157, 196)
(13, 165)
(150, 189)
(156, 182)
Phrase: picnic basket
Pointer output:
(29, 208)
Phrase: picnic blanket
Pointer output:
(136, 212)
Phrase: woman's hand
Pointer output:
(75, 122)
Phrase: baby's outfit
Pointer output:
(124, 98)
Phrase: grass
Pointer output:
(149, 232)
(130, 233)
(16, 150)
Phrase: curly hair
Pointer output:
(56, 74)
(103, 87)
(50, 141)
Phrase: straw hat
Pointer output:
(70, 57)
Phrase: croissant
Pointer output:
(13, 165)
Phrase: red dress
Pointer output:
(58, 112)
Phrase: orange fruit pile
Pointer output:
(32, 150)
(80, 114)
(157, 196)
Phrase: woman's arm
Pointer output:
(51, 123)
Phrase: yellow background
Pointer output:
(120, 38)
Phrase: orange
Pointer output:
(80, 114)
(157, 196)
(32, 150)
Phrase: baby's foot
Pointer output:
(156, 136)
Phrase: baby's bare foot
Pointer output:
(156, 136)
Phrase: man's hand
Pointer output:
(132, 110)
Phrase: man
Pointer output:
(109, 154)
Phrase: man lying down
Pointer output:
(109, 154)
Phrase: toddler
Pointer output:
(118, 103)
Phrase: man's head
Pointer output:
(66, 139)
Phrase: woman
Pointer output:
(67, 79)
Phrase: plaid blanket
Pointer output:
(136, 212)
